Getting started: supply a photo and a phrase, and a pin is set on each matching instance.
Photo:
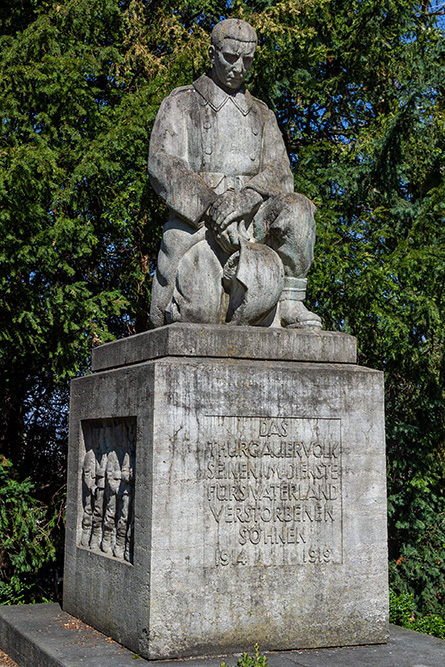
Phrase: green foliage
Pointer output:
(25, 537)
(402, 611)
(419, 568)
(246, 660)
(358, 89)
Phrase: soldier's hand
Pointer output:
(233, 206)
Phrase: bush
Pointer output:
(402, 611)
(25, 538)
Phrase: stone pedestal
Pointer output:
(226, 487)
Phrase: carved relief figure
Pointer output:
(107, 472)
(113, 480)
(124, 524)
(239, 242)
(89, 479)
(94, 489)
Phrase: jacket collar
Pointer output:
(216, 97)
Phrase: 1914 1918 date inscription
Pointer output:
(272, 491)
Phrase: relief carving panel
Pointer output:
(108, 487)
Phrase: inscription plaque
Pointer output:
(272, 491)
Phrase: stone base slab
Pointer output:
(42, 634)
(257, 507)
(45, 635)
(226, 342)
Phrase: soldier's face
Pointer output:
(231, 62)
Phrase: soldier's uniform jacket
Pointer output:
(205, 142)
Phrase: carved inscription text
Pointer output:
(272, 491)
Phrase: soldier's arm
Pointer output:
(274, 177)
(171, 176)
(233, 206)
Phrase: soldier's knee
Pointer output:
(294, 201)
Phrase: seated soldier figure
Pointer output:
(239, 242)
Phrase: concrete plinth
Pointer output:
(224, 495)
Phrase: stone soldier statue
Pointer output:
(239, 242)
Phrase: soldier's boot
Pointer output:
(292, 312)
(95, 538)
(86, 531)
(119, 547)
(106, 540)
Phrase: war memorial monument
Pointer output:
(227, 468)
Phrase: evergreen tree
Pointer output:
(358, 88)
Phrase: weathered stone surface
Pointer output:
(45, 635)
(205, 340)
(108, 487)
(42, 635)
(259, 504)
(239, 242)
